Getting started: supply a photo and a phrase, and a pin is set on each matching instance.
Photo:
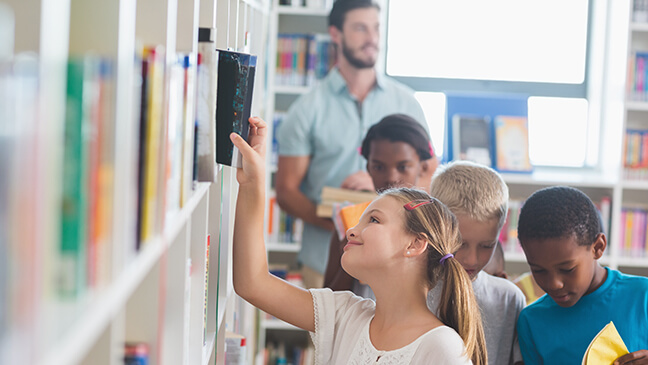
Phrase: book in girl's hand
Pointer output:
(233, 102)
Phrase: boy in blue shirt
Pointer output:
(560, 232)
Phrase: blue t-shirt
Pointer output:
(328, 124)
(550, 334)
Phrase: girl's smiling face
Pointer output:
(378, 238)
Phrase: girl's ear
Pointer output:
(599, 246)
(417, 246)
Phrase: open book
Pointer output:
(606, 347)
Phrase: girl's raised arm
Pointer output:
(252, 280)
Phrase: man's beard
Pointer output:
(354, 61)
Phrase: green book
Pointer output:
(74, 206)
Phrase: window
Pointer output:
(538, 48)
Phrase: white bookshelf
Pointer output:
(155, 295)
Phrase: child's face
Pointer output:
(479, 239)
(393, 164)
(377, 238)
(565, 270)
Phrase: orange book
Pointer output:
(351, 214)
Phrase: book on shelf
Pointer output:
(233, 102)
(151, 142)
(283, 227)
(235, 349)
(205, 129)
(605, 348)
(635, 154)
(189, 63)
(472, 138)
(512, 144)
(331, 195)
(634, 226)
(303, 58)
(640, 11)
(173, 157)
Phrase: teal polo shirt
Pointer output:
(328, 124)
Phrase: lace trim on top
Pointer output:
(314, 335)
(364, 352)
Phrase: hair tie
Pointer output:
(360, 150)
(431, 149)
(445, 258)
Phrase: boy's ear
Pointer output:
(417, 246)
(599, 246)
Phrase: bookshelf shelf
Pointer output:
(283, 247)
(547, 177)
(301, 10)
(635, 184)
(291, 90)
(638, 27)
(640, 106)
(276, 324)
(140, 268)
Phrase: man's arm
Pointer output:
(291, 170)
(335, 277)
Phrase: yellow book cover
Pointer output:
(606, 347)
(351, 214)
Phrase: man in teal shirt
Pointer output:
(322, 131)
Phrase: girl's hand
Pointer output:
(637, 357)
(253, 152)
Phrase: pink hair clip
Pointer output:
(416, 203)
(431, 149)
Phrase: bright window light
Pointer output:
(558, 131)
(505, 40)
(434, 106)
(557, 128)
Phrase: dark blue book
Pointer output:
(233, 102)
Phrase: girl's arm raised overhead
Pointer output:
(252, 280)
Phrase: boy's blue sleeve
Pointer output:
(528, 349)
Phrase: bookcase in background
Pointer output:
(298, 54)
(168, 292)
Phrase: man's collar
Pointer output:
(338, 83)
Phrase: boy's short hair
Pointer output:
(342, 7)
(399, 128)
(559, 212)
(471, 189)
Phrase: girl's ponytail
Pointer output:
(458, 309)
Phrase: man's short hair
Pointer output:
(342, 7)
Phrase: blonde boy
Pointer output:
(478, 196)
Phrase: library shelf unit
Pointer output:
(172, 292)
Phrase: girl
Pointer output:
(401, 247)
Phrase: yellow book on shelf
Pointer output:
(606, 347)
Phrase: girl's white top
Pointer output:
(342, 335)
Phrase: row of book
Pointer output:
(637, 83)
(282, 354)
(303, 58)
(58, 183)
(640, 11)
(21, 216)
(635, 154)
(509, 237)
(634, 240)
(283, 227)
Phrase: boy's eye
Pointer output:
(537, 271)
(566, 271)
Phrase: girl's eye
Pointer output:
(373, 220)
